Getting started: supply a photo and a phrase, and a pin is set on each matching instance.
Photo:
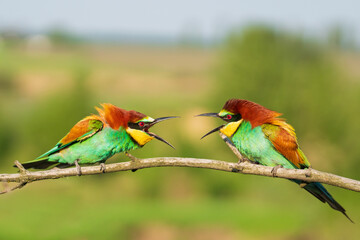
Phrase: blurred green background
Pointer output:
(49, 82)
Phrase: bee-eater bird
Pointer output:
(96, 138)
(263, 138)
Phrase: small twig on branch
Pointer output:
(25, 177)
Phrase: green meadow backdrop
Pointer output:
(46, 87)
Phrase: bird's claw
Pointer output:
(78, 168)
(308, 173)
(102, 167)
(274, 170)
(243, 159)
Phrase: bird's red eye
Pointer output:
(141, 124)
(229, 117)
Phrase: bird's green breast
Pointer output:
(253, 144)
(97, 148)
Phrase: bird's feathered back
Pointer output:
(83, 127)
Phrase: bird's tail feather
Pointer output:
(41, 163)
(320, 192)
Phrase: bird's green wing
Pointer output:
(83, 130)
(283, 138)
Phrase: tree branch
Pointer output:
(308, 175)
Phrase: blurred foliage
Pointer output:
(60, 36)
(6, 82)
(43, 94)
(341, 37)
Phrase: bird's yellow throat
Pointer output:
(230, 128)
(139, 136)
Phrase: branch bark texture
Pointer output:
(308, 175)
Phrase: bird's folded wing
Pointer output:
(82, 130)
(283, 137)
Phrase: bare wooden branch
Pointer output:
(309, 175)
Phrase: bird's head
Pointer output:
(138, 128)
(135, 123)
(235, 111)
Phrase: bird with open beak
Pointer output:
(262, 137)
(96, 138)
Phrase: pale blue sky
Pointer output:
(171, 18)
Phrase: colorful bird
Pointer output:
(263, 138)
(96, 138)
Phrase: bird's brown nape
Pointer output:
(114, 116)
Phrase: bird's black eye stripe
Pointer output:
(232, 118)
(137, 125)
(133, 125)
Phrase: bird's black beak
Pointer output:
(212, 131)
(160, 139)
(210, 115)
(157, 120)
